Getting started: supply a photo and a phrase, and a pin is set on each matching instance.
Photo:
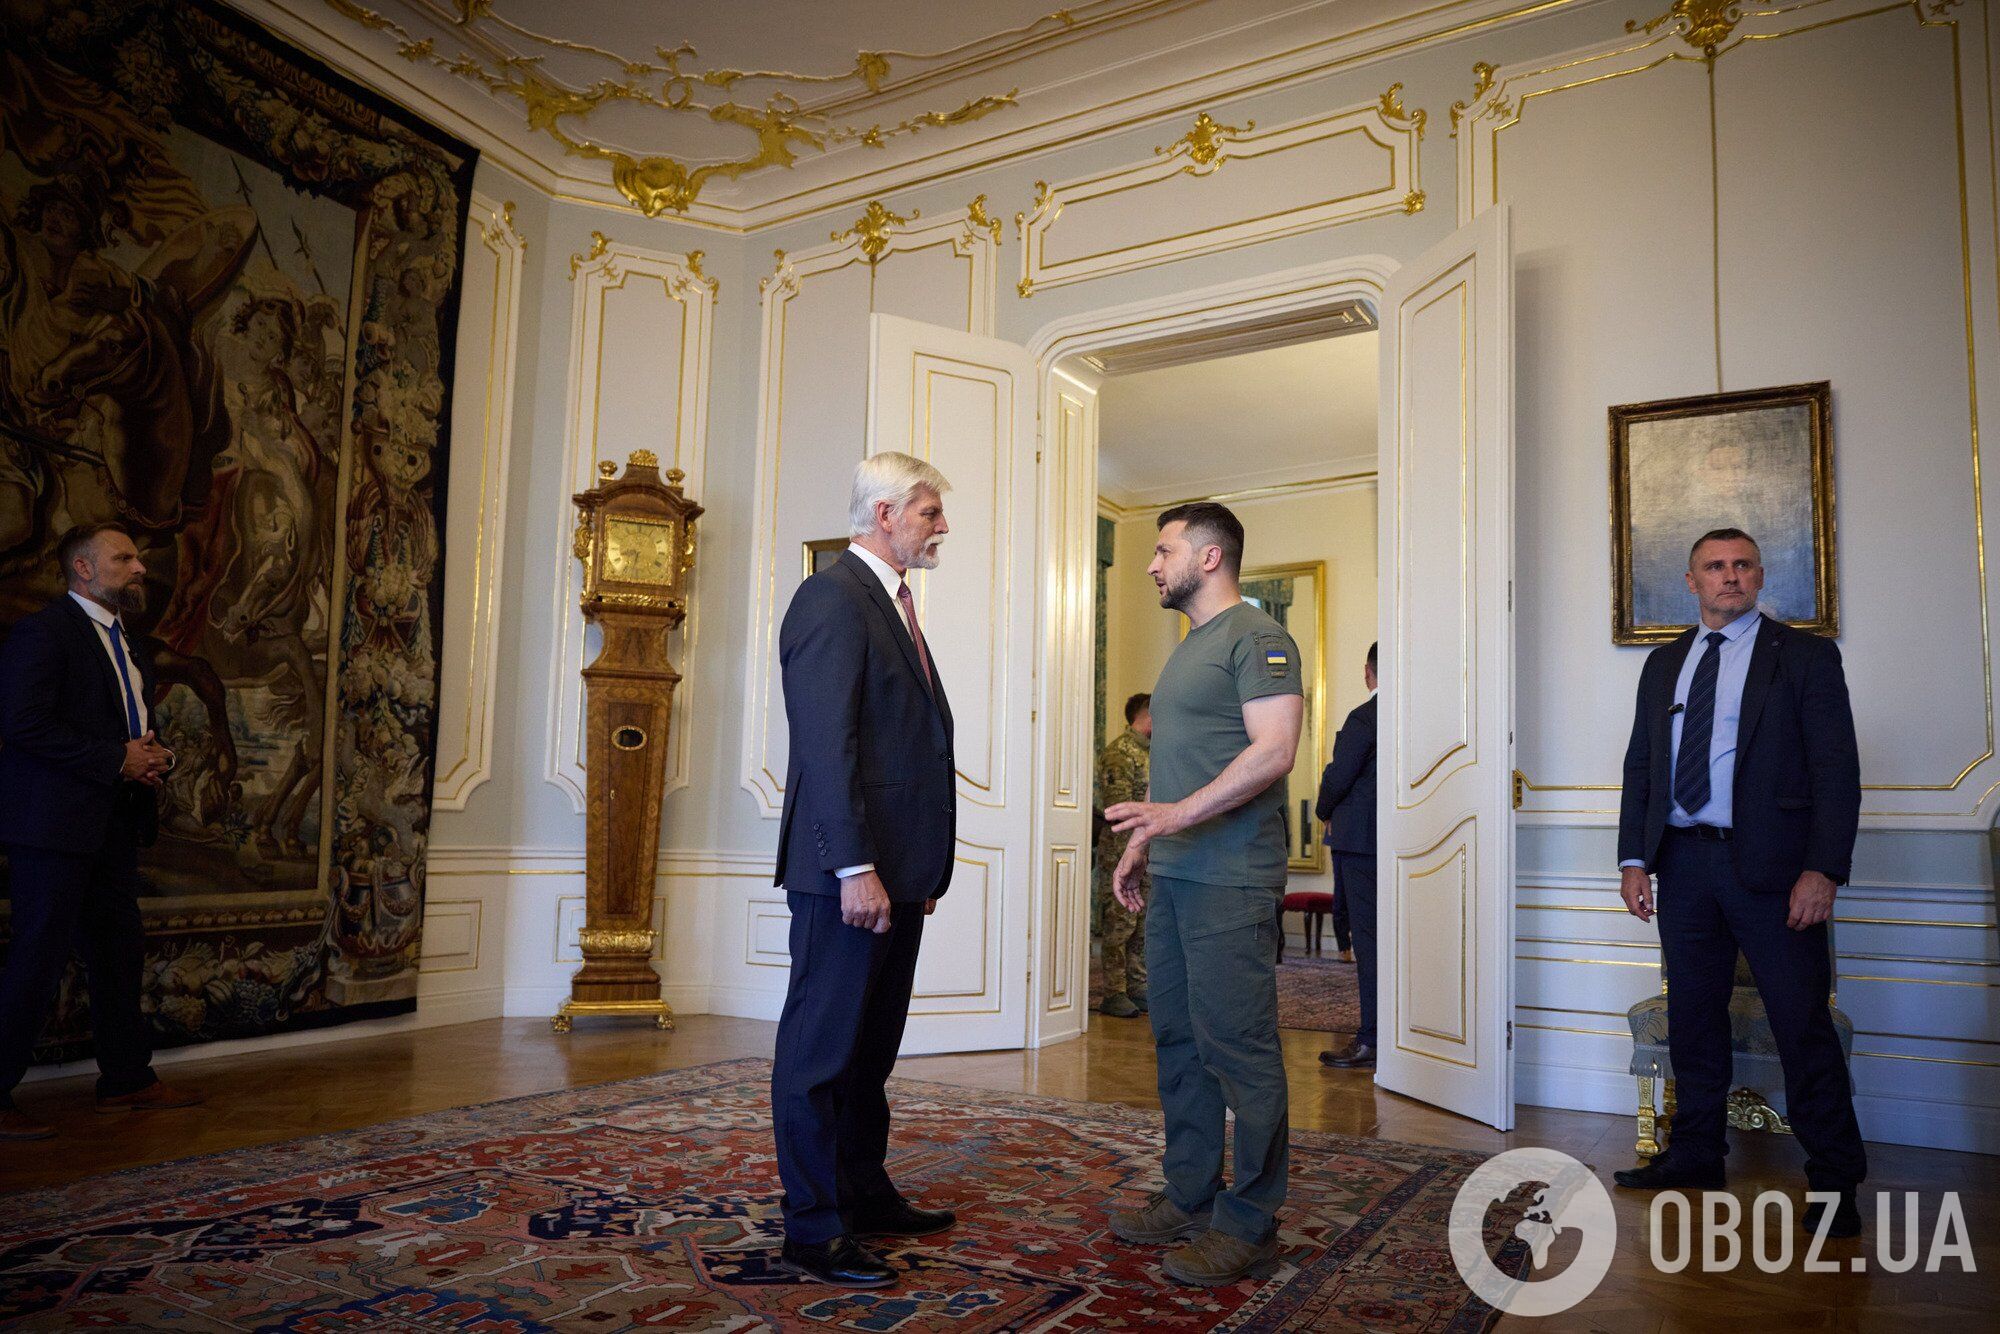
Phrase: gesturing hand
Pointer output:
(864, 902)
(1146, 819)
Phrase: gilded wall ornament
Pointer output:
(1392, 109)
(506, 58)
(977, 216)
(1202, 144)
(1482, 84)
(872, 229)
(1702, 24)
(599, 243)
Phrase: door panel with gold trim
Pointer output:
(1446, 893)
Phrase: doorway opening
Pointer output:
(1278, 420)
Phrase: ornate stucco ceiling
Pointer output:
(746, 114)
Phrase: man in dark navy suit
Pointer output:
(1743, 794)
(1347, 805)
(78, 768)
(864, 852)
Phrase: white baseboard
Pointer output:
(746, 1002)
(459, 1007)
(1575, 1088)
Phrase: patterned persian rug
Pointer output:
(652, 1204)
(1314, 993)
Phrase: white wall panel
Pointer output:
(476, 515)
(640, 350)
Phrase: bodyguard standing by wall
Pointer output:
(1743, 794)
(78, 768)
(1347, 806)
(864, 853)
(1226, 716)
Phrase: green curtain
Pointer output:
(1107, 541)
(1273, 595)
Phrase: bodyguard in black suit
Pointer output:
(1743, 794)
(78, 769)
(864, 852)
(1347, 805)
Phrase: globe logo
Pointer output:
(1568, 1198)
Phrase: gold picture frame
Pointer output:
(1304, 851)
(821, 554)
(1757, 459)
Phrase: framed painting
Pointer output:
(1760, 460)
(822, 554)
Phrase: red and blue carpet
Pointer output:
(651, 1204)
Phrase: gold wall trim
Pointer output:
(1149, 237)
(597, 431)
(1702, 32)
(873, 240)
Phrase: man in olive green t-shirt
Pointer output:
(1226, 717)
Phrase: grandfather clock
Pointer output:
(635, 537)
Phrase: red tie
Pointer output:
(910, 619)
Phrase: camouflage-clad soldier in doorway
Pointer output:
(1122, 776)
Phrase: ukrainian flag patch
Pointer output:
(1278, 661)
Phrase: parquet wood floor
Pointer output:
(256, 1099)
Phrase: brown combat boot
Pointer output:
(1216, 1258)
(1156, 1222)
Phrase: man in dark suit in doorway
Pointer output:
(1347, 805)
(78, 768)
(1743, 794)
(864, 852)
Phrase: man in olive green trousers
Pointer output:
(1226, 717)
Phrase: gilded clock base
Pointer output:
(663, 1014)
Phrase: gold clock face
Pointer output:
(637, 551)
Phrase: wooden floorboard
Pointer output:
(262, 1098)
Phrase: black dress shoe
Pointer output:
(842, 1261)
(1661, 1174)
(901, 1219)
(1354, 1056)
(1846, 1217)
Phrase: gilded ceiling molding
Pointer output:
(1357, 162)
(670, 84)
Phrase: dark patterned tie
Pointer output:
(910, 618)
(1697, 727)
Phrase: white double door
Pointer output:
(1445, 896)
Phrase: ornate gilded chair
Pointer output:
(1757, 1073)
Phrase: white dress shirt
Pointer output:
(1732, 671)
(891, 583)
(107, 623)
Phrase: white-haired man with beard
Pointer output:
(78, 768)
(864, 852)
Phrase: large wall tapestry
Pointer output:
(228, 299)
